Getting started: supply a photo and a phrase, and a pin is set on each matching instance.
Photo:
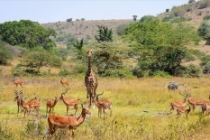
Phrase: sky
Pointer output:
(46, 11)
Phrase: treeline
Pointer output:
(158, 47)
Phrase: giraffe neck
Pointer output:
(89, 65)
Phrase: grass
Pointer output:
(140, 108)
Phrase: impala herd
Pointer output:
(70, 122)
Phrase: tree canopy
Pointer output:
(159, 46)
(27, 34)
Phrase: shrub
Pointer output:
(5, 54)
(206, 68)
(203, 4)
(121, 28)
(207, 17)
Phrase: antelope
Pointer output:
(205, 107)
(182, 110)
(69, 102)
(17, 98)
(18, 82)
(50, 105)
(66, 122)
(27, 106)
(178, 104)
(64, 82)
(102, 106)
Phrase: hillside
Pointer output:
(81, 29)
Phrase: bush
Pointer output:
(5, 54)
(121, 28)
(161, 74)
(206, 68)
(203, 4)
(64, 72)
(188, 71)
(207, 17)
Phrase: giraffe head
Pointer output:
(89, 53)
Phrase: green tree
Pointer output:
(104, 34)
(204, 32)
(5, 53)
(27, 34)
(160, 45)
(134, 17)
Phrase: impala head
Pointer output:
(18, 94)
(186, 94)
(63, 94)
(85, 110)
(89, 53)
(97, 95)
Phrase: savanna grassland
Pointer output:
(140, 108)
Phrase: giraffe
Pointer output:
(91, 81)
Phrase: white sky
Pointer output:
(44, 11)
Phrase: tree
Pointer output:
(160, 45)
(204, 31)
(27, 34)
(104, 34)
(134, 17)
(78, 44)
(5, 54)
(69, 20)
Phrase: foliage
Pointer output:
(178, 20)
(34, 60)
(69, 20)
(204, 31)
(205, 60)
(64, 72)
(161, 46)
(207, 17)
(134, 17)
(27, 34)
(121, 28)
(147, 18)
(206, 68)
(203, 4)
(109, 60)
(188, 71)
(63, 53)
(191, 1)
(78, 44)
(104, 34)
(5, 53)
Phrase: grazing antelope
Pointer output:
(18, 82)
(27, 106)
(18, 99)
(50, 105)
(69, 102)
(205, 107)
(56, 121)
(64, 82)
(102, 106)
(178, 104)
(182, 110)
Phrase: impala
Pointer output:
(66, 122)
(50, 105)
(102, 106)
(18, 99)
(64, 82)
(182, 110)
(69, 102)
(18, 82)
(178, 104)
(205, 107)
(27, 106)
